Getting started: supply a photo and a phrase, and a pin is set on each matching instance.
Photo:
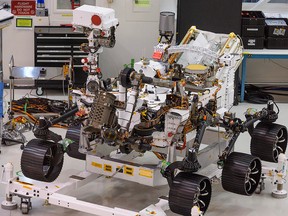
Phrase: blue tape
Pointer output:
(1, 98)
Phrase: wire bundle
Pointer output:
(39, 105)
(30, 106)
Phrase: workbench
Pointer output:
(258, 54)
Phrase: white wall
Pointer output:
(169, 5)
(20, 44)
(135, 36)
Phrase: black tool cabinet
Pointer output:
(54, 45)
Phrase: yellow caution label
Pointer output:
(128, 170)
(98, 165)
(27, 187)
(146, 173)
(24, 183)
(107, 168)
(67, 15)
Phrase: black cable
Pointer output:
(44, 104)
(276, 93)
(278, 110)
(254, 94)
(278, 88)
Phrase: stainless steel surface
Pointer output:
(26, 72)
(33, 73)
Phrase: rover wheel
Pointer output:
(42, 160)
(125, 77)
(188, 190)
(268, 141)
(73, 133)
(241, 173)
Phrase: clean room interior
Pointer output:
(173, 103)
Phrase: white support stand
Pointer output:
(277, 177)
(279, 192)
(57, 193)
(7, 176)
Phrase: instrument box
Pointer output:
(253, 42)
(276, 27)
(253, 30)
(253, 18)
(276, 43)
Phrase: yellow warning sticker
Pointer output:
(24, 183)
(98, 165)
(107, 168)
(27, 187)
(67, 15)
(128, 170)
(146, 173)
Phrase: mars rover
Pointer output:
(162, 106)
